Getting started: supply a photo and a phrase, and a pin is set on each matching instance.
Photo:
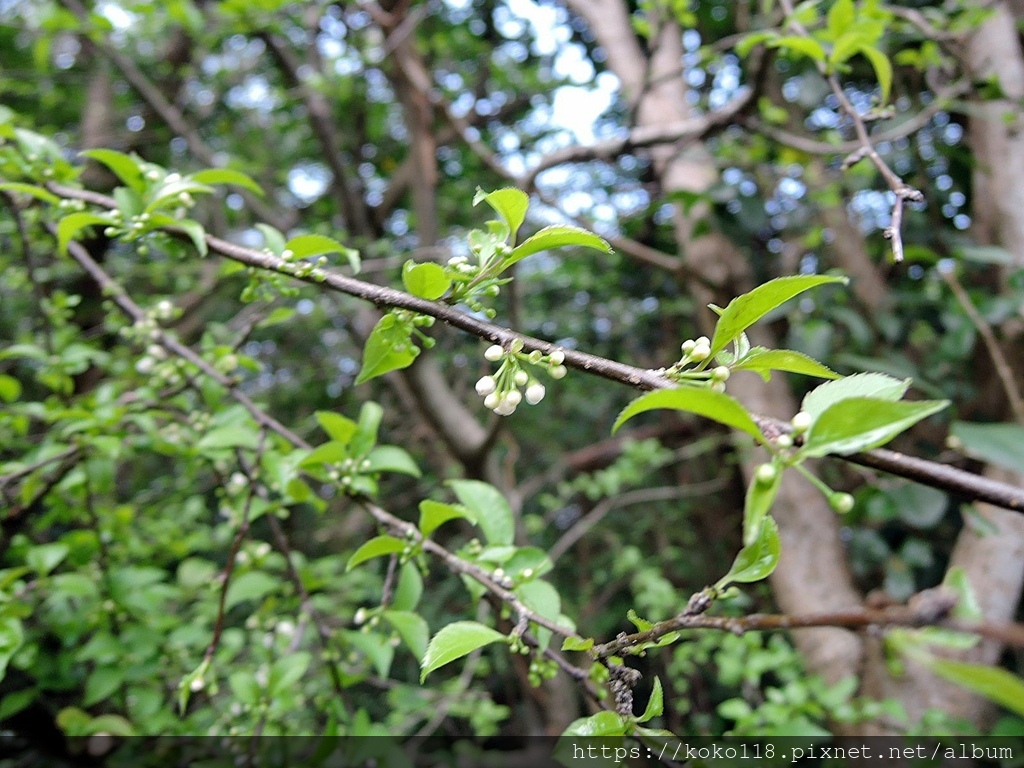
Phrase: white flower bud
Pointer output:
(197, 684)
(721, 373)
(801, 422)
(558, 372)
(504, 408)
(521, 378)
(687, 346)
(557, 357)
(700, 352)
(513, 397)
(535, 393)
(486, 385)
(145, 365)
(702, 341)
(494, 353)
(766, 473)
(492, 400)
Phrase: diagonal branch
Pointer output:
(931, 473)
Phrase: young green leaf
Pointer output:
(493, 514)
(74, 223)
(193, 229)
(840, 18)
(390, 458)
(556, 236)
(339, 428)
(305, 246)
(745, 310)
(601, 724)
(577, 644)
(801, 46)
(31, 190)
(993, 683)
(410, 588)
(876, 385)
(860, 423)
(365, 437)
(428, 281)
(883, 69)
(763, 363)
(273, 240)
(509, 203)
(331, 452)
(389, 348)
(227, 176)
(125, 167)
(434, 514)
(376, 547)
(455, 641)
(412, 628)
(703, 402)
(755, 561)
(967, 606)
(761, 492)
(655, 704)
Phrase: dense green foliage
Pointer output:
(246, 482)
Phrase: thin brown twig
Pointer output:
(900, 189)
(929, 608)
(988, 337)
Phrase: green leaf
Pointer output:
(409, 589)
(305, 246)
(273, 240)
(31, 190)
(428, 281)
(227, 176)
(967, 606)
(993, 683)
(493, 514)
(413, 630)
(286, 672)
(10, 388)
(45, 557)
(556, 237)
(375, 647)
(389, 348)
(376, 547)
(655, 704)
(745, 310)
(455, 641)
(840, 18)
(996, 443)
(703, 402)
(747, 43)
(601, 724)
(127, 168)
(509, 203)
(577, 644)
(755, 561)
(860, 423)
(253, 585)
(193, 229)
(801, 46)
(331, 452)
(339, 428)
(74, 223)
(883, 69)
(229, 436)
(12, 636)
(763, 363)
(434, 514)
(760, 496)
(876, 385)
(389, 458)
(365, 438)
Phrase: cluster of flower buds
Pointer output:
(691, 367)
(501, 391)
